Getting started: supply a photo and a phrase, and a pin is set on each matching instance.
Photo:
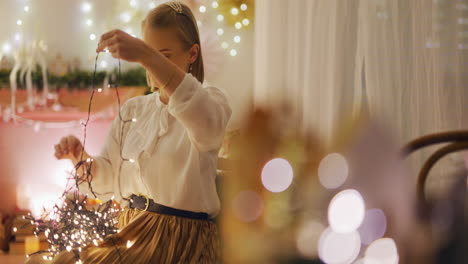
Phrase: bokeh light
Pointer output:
(333, 171)
(346, 211)
(85, 7)
(277, 175)
(382, 251)
(233, 52)
(308, 237)
(338, 248)
(373, 227)
(247, 206)
(234, 11)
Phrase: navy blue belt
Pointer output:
(147, 204)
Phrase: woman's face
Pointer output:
(166, 41)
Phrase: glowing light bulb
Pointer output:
(383, 251)
(233, 52)
(333, 171)
(247, 206)
(134, 120)
(130, 243)
(215, 4)
(6, 48)
(245, 21)
(238, 25)
(225, 45)
(99, 90)
(339, 247)
(202, 9)
(131, 160)
(277, 174)
(26, 9)
(243, 7)
(19, 22)
(220, 18)
(86, 7)
(234, 11)
(237, 39)
(220, 31)
(92, 37)
(89, 22)
(373, 227)
(346, 211)
(125, 17)
(15, 229)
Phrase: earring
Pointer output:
(190, 68)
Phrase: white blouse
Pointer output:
(173, 147)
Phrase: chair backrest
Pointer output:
(457, 141)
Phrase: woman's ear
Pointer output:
(193, 53)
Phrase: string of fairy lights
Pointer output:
(73, 226)
(230, 18)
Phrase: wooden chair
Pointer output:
(456, 141)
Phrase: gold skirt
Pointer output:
(153, 238)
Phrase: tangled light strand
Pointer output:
(73, 226)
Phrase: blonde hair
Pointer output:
(164, 16)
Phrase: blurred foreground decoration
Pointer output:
(289, 199)
(444, 218)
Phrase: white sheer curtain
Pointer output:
(305, 54)
(403, 61)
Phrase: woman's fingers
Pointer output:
(115, 51)
(58, 151)
(108, 39)
(64, 145)
(109, 34)
(72, 143)
(68, 146)
(108, 42)
(77, 150)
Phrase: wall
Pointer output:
(61, 25)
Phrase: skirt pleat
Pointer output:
(153, 238)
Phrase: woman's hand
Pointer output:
(69, 148)
(123, 46)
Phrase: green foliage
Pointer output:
(79, 79)
(4, 78)
(133, 77)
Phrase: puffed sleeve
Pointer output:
(204, 112)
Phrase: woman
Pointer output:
(169, 153)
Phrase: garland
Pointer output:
(80, 79)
